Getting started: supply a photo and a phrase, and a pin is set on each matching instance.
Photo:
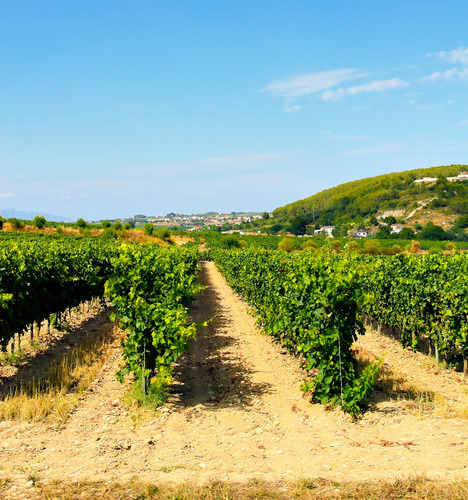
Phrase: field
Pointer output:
(235, 423)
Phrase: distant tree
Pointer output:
(406, 234)
(462, 221)
(298, 225)
(109, 233)
(351, 246)
(335, 246)
(230, 241)
(16, 223)
(2, 220)
(373, 220)
(81, 223)
(127, 226)
(105, 224)
(265, 216)
(433, 232)
(414, 247)
(384, 233)
(389, 220)
(310, 245)
(286, 245)
(372, 247)
(39, 222)
(275, 229)
(164, 233)
(117, 225)
(148, 228)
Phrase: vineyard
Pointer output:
(232, 392)
(314, 304)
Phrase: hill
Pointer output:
(11, 212)
(401, 194)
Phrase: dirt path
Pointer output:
(236, 412)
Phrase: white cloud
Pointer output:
(449, 74)
(7, 195)
(457, 56)
(301, 85)
(293, 109)
(375, 86)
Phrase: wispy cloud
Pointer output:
(293, 109)
(207, 165)
(449, 74)
(457, 56)
(297, 86)
(376, 149)
(7, 195)
(375, 86)
(351, 138)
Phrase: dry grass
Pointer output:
(394, 385)
(58, 392)
(324, 489)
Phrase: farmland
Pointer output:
(234, 410)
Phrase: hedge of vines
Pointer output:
(310, 303)
(41, 275)
(151, 288)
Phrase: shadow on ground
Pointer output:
(213, 372)
(35, 368)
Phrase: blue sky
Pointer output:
(110, 108)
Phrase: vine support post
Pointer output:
(143, 378)
(436, 352)
(465, 367)
(32, 331)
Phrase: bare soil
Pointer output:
(236, 413)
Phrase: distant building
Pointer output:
(360, 233)
(326, 230)
(396, 228)
(426, 180)
(460, 177)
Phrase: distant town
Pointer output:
(195, 222)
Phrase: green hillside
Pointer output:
(358, 201)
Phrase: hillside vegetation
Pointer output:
(358, 201)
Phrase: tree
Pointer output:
(81, 223)
(433, 232)
(298, 225)
(105, 224)
(406, 234)
(117, 225)
(384, 233)
(2, 220)
(39, 221)
(148, 228)
(230, 241)
(286, 245)
(265, 216)
(127, 226)
(310, 245)
(462, 221)
(16, 223)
